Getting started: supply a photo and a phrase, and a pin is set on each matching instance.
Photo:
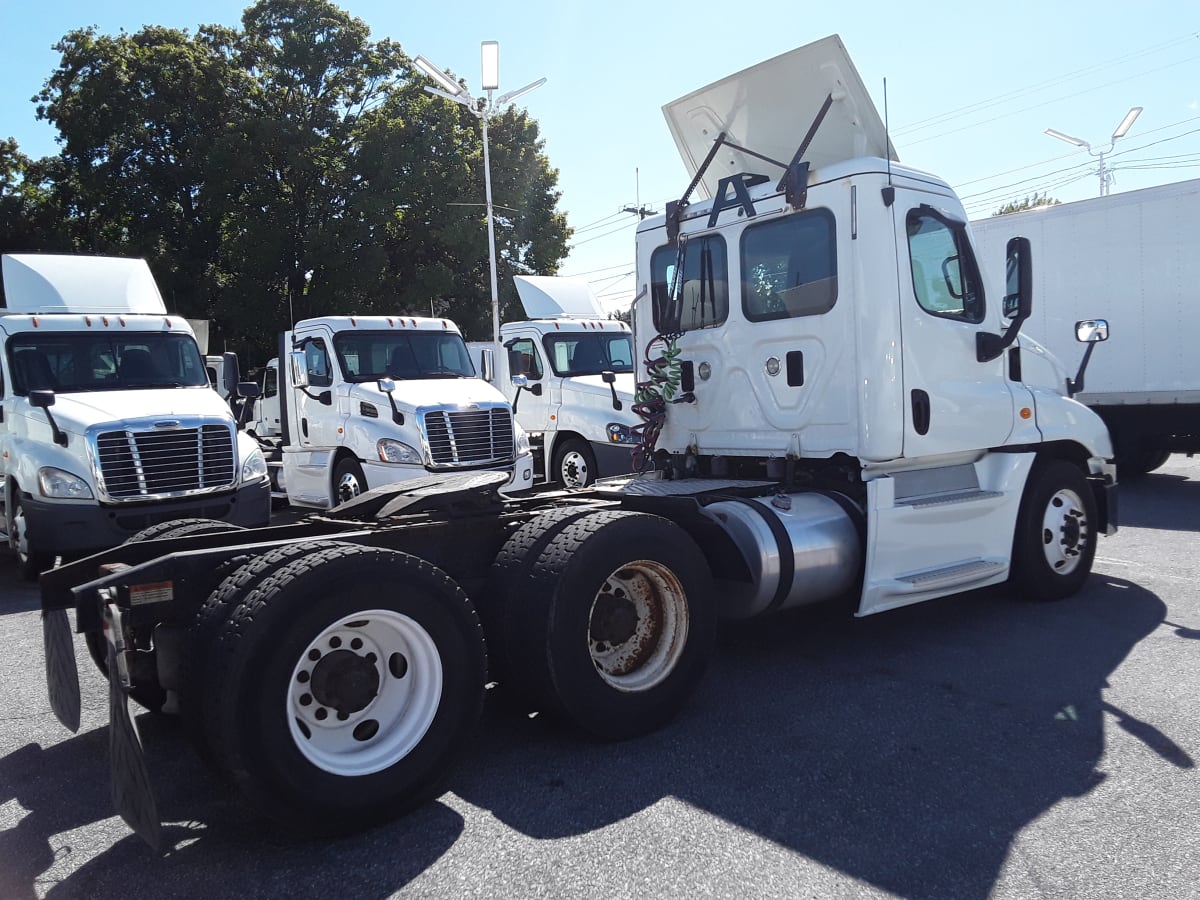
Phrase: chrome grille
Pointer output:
(166, 462)
(469, 437)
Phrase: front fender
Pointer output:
(1061, 418)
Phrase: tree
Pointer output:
(1033, 202)
(290, 168)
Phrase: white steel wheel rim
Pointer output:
(339, 719)
(574, 469)
(1065, 532)
(348, 487)
(19, 526)
(637, 626)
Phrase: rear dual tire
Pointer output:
(606, 619)
(341, 687)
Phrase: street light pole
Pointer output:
(449, 89)
(1106, 175)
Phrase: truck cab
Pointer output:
(574, 387)
(107, 421)
(363, 401)
(825, 321)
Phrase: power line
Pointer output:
(939, 118)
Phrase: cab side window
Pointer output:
(945, 277)
(523, 359)
(316, 361)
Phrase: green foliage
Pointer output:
(289, 168)
(1032, 202)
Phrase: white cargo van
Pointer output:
(107, 421)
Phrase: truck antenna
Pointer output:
(889, 192)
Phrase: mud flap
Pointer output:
(132, 796)
(62, 675)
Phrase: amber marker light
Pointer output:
(1026, 412)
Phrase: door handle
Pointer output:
(920, 412)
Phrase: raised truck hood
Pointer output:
(769, 107)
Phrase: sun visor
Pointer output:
(556, 297)
(49, 283)
(769, 107)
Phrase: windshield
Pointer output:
(371, 355)
(590, 353)
(67, 362)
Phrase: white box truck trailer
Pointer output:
(573, 390)
(108, 424)
(1131, 259)
(853, 420)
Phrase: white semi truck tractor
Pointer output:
(108, 424)
(834, 404)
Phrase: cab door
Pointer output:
(534, 410)
(952, 402)
(317, 412)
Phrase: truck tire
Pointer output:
(31, 562)
(348, 480)
(574, 464)
(509, 573)
(1055, 540)
(615, 623)
(347, 681)
(1139, 463)
(207, 626)
(145, 689)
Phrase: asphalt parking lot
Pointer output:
(972, 747)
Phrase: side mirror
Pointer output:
(299, 367)
(248, 390)
(1018, 265)
(1018, 300)
(487, 364)
(520, 381)
(1089, 331)
(41, 399)
(44, 400)
(608, 377)
(230, 374)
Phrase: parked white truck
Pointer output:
(1131, 258)
(573, 389)
(107, 421)
(854, 419)
(366, 401)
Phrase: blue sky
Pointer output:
(971, 87)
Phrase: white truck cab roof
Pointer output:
(51, 283)
(768, 108)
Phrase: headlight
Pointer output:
(391, 451)
(254, 467)
(522, 438)
(620, 434)
(57, 483)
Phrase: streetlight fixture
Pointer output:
(1106, 175)
(450, 89)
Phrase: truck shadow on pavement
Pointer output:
(215, 847)
(1161, 500)
(906, 750)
